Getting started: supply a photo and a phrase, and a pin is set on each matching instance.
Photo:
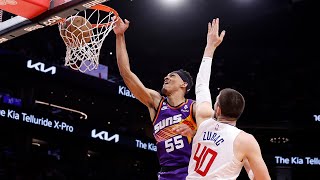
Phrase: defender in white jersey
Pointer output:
(220, 149)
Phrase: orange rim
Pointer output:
(101, 8)
(106, 9)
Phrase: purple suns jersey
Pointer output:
(173, 149)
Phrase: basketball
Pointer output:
(76, 31)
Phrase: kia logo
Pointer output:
(39, 66)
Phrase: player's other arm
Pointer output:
(203, 97)
(248, 169)
(147, 96)
(254, 156)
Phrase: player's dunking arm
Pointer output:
(148, 97)
(203, 97)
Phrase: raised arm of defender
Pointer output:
(245, 145)
(203, 96)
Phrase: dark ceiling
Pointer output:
(265, 55)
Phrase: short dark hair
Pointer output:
(231, 103)
(186, 77)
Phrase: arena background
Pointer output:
(268, 54)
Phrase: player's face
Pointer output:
(172, 82)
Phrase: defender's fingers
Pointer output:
(212, 24)
(216, 26)
(209, 27)
(222, 34)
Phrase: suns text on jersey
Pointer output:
(212, 136)
(167, 122)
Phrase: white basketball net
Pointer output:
(83, 53)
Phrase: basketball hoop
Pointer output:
(83, 47)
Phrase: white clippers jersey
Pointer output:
(212, 152)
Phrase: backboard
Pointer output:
(23, 16)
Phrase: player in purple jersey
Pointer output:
(172, 115)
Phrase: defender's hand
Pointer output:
(213, 37)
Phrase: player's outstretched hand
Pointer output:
(120, 26)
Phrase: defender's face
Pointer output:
(172, 82)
